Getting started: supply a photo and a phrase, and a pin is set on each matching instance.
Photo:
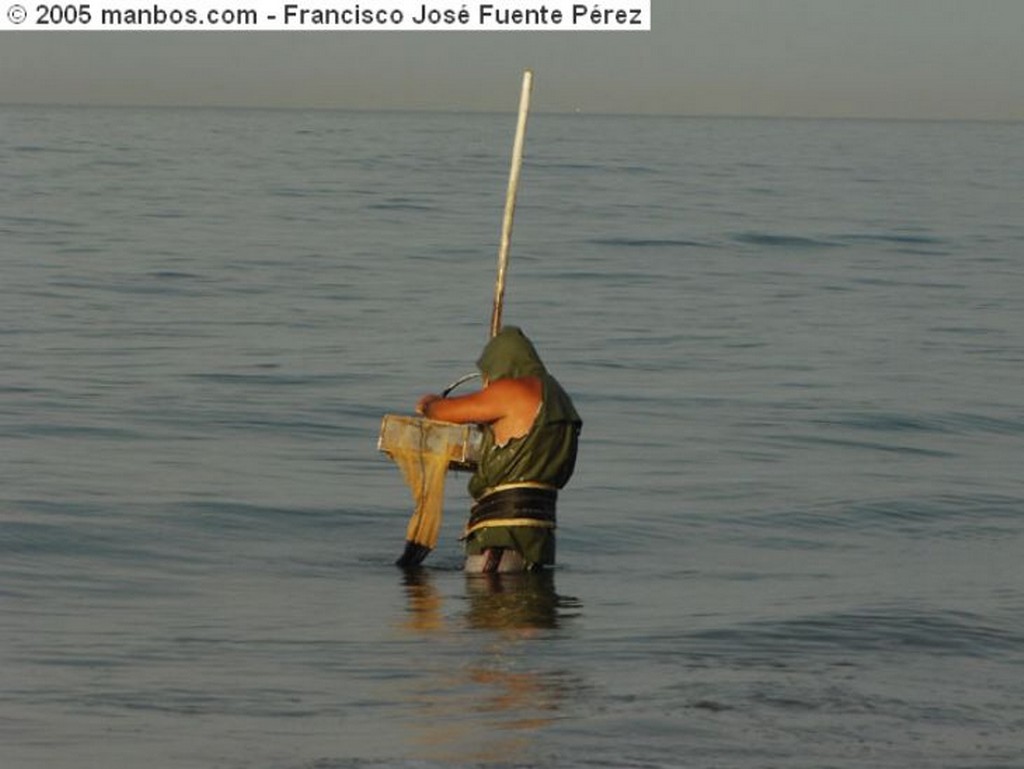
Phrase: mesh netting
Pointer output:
(424, 473)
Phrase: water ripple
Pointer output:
(890, 632)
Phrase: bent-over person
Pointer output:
(530, 437)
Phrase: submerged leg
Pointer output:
(495, 560)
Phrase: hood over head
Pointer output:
(510, 355)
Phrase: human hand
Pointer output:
(423, 405)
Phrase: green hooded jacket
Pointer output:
(546, 454)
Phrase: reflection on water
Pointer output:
(424, 602)
(494, 701)
(521, 601)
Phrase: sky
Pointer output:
(930, 59)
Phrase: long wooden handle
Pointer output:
(510, 202)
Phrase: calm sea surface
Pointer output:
(795, 538)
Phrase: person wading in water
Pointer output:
(530, 437)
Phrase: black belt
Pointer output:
(518, 505)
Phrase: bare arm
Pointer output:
(487, 405)
(509, 404)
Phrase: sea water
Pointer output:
(795, 537)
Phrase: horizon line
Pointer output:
(476, 111)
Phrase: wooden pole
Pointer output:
(510, 202)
